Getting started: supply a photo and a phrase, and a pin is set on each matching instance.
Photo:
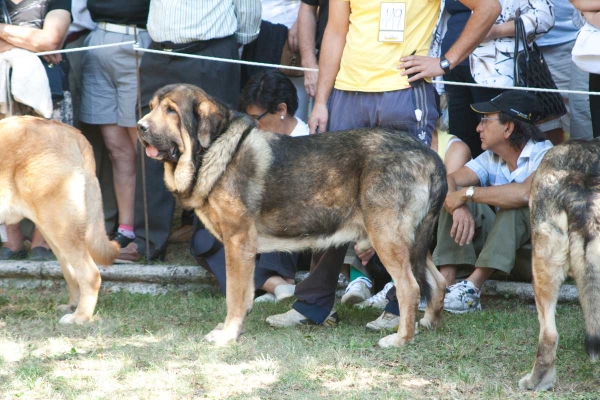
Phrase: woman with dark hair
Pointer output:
(271, 98)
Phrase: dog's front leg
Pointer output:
(240, 258)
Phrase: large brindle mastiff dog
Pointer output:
(261, 192)
(565, 234)
(48, 174)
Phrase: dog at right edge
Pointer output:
(565, 230)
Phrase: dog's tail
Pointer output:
(588, 287)
(102, 250)
(438, 187)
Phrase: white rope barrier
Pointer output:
(76, 49)
(528, 89)
(137, 48)
(227, 60)
(171, 53)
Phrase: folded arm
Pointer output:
(50, 37)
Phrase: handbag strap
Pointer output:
(5, 13)
(520, 37)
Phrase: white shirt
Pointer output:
(492, 170)
(284, 12)
(301, 128)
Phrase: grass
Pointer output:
(150, 347)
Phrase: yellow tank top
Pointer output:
(380, 33)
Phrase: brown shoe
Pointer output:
(129, 254)
(181, 235)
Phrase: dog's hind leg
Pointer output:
(433, 312)
(83, 278)
(587, 277)
(395, 256)
(72, 285)
(88, 277)
(240, 258)
(550, 263)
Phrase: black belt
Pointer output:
(71, 37)
(190, 47)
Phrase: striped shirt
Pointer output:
(493, 170)
(185, 21)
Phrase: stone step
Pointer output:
(159, 279)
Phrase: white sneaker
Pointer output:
(266, 298)
(294, 318)
(358, 290)
(282, 292)
(386, 321)
(378, 300)
(462, 297)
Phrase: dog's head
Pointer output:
(183, 118)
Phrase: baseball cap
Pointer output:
(519, 104)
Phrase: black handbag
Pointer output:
(532, 71)
(57, 73)
(57, 77)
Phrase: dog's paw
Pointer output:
(391, 341)
(220, 337)
(74, 319)
(535, 382)
(427, 324)
(65, 308)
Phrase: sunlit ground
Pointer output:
(148, 347)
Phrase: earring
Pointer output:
(282, 117)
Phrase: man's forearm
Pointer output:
(28, 38)
(586, 5)
(5, 46)
(329, 66)
(512, 195)
(307, 21)
(481, 20)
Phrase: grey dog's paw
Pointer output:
(528, 382)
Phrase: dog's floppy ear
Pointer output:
(212, 118)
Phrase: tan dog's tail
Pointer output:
(102, 250)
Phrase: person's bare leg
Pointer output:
(133, 136)
(480, 275)
(15, 239)
(37, 239)
(449, 274)
(120, 143)
(274, 281)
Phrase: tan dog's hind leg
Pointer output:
(550, 260)
(433, 312)
(240, 256)
(88, 277)
(80, 271)
(72, 285)
(395, 257)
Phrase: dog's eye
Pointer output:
(170, 110)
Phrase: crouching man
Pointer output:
(500, 177)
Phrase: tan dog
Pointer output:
(48, 174)
(565, 235)
(261, 192)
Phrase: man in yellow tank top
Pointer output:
(369, 48)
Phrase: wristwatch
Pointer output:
(470, 192)
(444, 64)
